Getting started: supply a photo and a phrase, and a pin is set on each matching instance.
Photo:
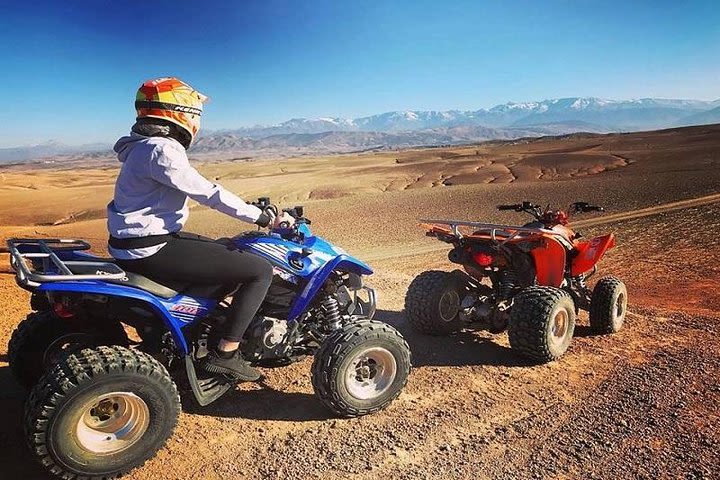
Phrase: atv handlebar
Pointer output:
(519, 207)
(297, 212)
(579, 207)
(550, 217)
(536, 210)
(262, 203)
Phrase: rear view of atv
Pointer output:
(529, 280)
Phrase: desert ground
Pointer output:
(643, 403)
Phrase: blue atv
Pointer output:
(105, 350)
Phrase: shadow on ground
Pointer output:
(584, 331)
(462, 348)
(265, 404)
(15, 458)
(459, 349)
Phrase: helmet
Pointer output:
(171, 99)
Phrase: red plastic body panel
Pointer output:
(590, 252)
(549, 262)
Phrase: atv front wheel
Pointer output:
(432, 303)
(608, 305)
(361, 368)
(542, 322)
(101, 412)
(38, 342)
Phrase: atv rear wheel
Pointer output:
(432, 303)
(542, 322)
(101, 412)
(38, 342)
(361, 368)
(608, 305)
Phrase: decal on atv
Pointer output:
(277, 252)
(187, 309)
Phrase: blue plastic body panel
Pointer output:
(308, 261)
(177, 312)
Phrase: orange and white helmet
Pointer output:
(171, 99)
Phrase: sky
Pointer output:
(69, 70)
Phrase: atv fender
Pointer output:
(159, 307)
(549, 262)
(341, 262)
(589, 253)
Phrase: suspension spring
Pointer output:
(508, 279)
(581, 280)
(331, 313)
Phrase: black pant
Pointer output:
(200, 260)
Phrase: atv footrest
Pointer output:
(206, 390)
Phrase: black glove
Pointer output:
(267, 217)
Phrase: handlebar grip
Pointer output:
(507, 207)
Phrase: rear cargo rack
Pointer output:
(36, 261)
(491, 226)
(499, 233)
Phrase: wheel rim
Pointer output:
(449, 306)
(112, 423)
(370, 373)
(559, 327)
(619, 309)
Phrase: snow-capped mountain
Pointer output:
(354, 141)
(603, 114)
(400, 129)
(619, 115)
(295, 125)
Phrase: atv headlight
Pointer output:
(354, 281)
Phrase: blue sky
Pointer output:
(70, 69)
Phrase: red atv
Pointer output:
(530, 280)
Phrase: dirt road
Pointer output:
(644, 403)
(640, 404)
(645, 212)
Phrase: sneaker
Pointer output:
(236, 366)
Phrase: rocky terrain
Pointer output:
(643, 403)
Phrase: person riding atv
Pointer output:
(150, 207)
(109, 345)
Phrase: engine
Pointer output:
(267, 339)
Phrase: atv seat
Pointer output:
(130, 280)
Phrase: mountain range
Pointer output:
(402, 129)
(615, 115)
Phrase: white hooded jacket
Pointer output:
(152, 191)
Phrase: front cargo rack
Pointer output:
(36, 261)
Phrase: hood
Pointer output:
(123, 145)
